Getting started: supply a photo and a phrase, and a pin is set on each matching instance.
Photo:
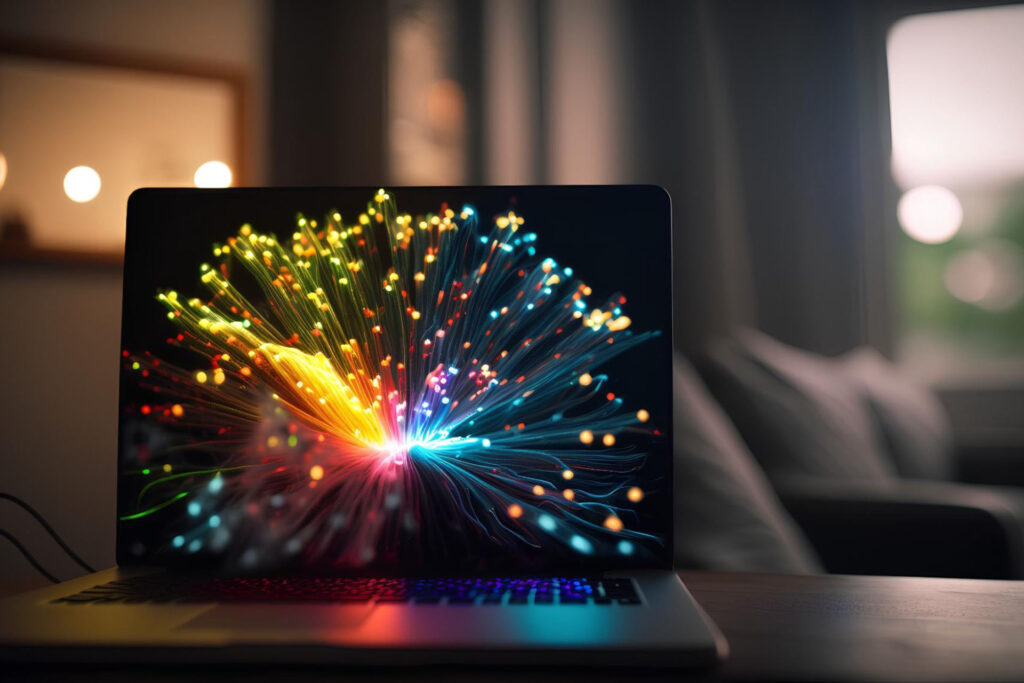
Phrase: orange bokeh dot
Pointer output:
(613, 523)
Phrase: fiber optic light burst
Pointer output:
(384, 382)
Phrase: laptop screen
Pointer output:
(397, 381)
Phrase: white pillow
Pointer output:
(727, 517)
(798, 412)
(913, 423)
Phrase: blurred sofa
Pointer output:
(786, 461)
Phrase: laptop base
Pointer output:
(667, 630)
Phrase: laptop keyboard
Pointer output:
(450, 591)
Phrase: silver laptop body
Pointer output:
(389, 427)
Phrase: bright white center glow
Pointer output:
(213, 174)
(82, 184)
(3, 170)
(931, 214)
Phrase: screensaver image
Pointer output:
(372, 388)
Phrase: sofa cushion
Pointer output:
(798, 412)
(727, 516)
(913, 423)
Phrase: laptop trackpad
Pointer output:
(280, 616)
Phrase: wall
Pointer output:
(59, 326)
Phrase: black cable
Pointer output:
(28, 556)
(49, 529)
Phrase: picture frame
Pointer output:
(139, 119)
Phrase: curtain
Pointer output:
(767, 122)
(328, 79)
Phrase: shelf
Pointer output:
(44, 256)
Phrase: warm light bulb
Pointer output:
(82, 184)
(930, 214)
(3, 170)
(213, 174)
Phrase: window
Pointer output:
(957, 111)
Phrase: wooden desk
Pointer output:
(865, 628)
(820, 628)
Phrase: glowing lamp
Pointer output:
(82, 184)
(213, 174)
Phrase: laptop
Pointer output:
(389, 426)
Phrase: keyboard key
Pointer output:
(572, 599)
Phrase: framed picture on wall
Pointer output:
(81, 129)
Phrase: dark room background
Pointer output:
(768, 122)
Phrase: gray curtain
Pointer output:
(681, 126)
(328, 79)
(768, 124)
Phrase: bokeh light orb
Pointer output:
(82, 184)
(3, 170)
(970, 276)
(213, 174)
(990, 276)
(930, 214)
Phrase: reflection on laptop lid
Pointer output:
(408, 381)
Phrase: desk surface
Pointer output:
(851, 628)
(865, 628)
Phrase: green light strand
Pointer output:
(153, 509)
(187, 474)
